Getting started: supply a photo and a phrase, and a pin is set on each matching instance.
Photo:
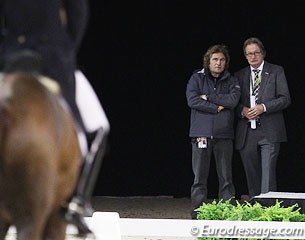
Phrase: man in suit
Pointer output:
(260, 127)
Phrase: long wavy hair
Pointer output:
(219, 48)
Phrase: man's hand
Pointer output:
(220, 108)
(254, 112)
(204, 97)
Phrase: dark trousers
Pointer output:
(259, 157)
(222, 149)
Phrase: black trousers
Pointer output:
(222, 149)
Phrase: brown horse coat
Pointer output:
(39, 159)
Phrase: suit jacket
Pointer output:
(37, 25)
(33, 22)
(274, 93)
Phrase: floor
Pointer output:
(144, 207)
(154, 207)
(160, 207)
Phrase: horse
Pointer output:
(40, 158)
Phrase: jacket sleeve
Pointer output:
(282, 99)
(228, 100)
(193, 93)
(240, 106)
(77, 19)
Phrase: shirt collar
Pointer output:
(259, 68)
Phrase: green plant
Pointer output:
(225, 210)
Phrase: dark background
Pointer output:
(139, 55)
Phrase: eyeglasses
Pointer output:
(252, 54)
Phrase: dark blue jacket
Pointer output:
(206, 121)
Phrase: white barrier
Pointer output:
(108, 225)
(193, 228)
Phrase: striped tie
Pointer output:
(256, 83)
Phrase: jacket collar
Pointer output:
(264, 79)
(206, 72)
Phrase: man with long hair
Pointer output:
(212, 94)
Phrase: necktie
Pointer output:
(256, 82)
